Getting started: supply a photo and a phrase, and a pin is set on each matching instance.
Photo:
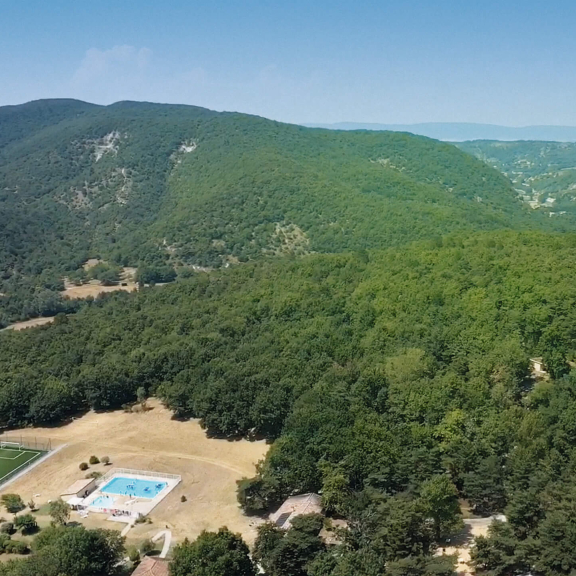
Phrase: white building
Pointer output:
(76, 492)
(295, 506)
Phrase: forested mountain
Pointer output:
(463, 131)
(179, 185)
(390, 379)
(368, 301)
(543, 173)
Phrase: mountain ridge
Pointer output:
(463, 131)
(174, 185)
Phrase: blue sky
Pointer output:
(504, 62)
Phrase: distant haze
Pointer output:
(462, 131)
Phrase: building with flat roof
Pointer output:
(80, 488)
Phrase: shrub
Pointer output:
(94, 460)
(4, 538)
(13, 503)
(16, 547)
(105, 460)
(83, 466)
(133, 554)
(183, 498)
(32, 505)
(94, 474)
(27, 523)
(6, 528)
(146, 546)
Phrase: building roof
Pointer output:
(151, 567)
(295, 506)
(78, 486)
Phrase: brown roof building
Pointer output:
(151, 567)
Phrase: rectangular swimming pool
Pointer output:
(134, 487)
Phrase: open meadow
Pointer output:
(149, 440)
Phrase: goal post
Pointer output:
(11, 445)
(41, 444)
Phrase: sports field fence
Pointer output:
(28, 442)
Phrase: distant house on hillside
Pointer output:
(151, 567)
(295, 506)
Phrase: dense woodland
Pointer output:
(367, 302)
(393, 380)
(150, 185)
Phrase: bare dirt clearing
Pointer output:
(30, 323)
(151, 440)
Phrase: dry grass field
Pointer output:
(150, 440)
(94, 287)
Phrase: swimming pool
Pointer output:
(102, 502)
(133, 487)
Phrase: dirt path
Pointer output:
(29, 323)
(462, 542)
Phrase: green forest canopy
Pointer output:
(162, 185)
(378, 331)
(373, 371)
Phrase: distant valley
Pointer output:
(543, 173)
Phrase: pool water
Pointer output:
(134, 487)
(102, 502)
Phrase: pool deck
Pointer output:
(126, 507)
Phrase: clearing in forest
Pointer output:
(30, 323)
(150, 440)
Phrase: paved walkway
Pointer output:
(127, 527)
(167, 535)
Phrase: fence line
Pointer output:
(147, 473)
(32, 443)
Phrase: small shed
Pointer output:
(151, 567)
(295, 506)
(80, 489)
(537, 365)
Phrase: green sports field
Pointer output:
(13, 460)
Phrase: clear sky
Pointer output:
(403, 61)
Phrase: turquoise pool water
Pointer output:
(102, 502)
(133, 487)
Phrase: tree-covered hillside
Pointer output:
(543, 173)
(179, 185)
(384, 377)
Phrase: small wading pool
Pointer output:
(103, 502)
(132, 487)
